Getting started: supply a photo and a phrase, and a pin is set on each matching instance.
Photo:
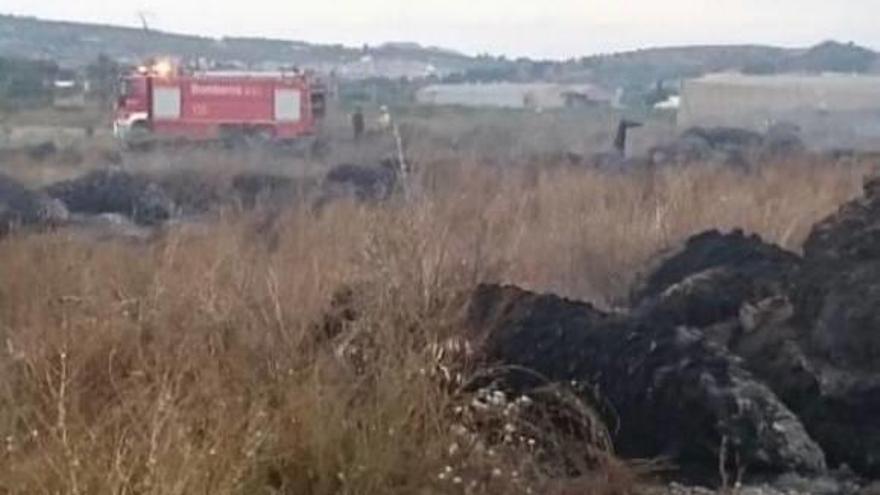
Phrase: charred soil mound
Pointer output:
(730, 343)
(730, 146)
(363, 182)
(713, 276)
(675, 394)
(21, 207)
(114, 191)
(808, 328)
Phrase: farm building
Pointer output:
(832, 110)
(514, 95)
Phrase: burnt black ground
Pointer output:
(115, 191)
(729, 337)
(807, 327)
(674, 393)
(21, 207)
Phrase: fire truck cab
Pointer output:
(162, 102)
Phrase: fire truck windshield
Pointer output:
(125, 88)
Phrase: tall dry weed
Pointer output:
(198, 363)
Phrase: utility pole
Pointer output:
(145, 24)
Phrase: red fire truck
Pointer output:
(161, 102)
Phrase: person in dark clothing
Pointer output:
(357, 123)
(620, 139)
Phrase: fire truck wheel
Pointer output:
(259, 138)
(140, 137)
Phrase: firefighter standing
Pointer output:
(385, 121)
(357, 123)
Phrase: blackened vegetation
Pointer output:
(152, 200)
(194, 193)
(115, 191)
(674, 393)
(712, 277)
(729, 146)
(21, 207)
(838, 327)
(732, 345)
(363, 182)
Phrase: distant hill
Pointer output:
(646, 67)
(72, 44)
(77, 44)
(832, 56)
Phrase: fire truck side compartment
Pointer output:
(288, 104)
(166, 102)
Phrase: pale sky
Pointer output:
(539, 28)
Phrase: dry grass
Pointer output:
(587, 234)
(195, 364)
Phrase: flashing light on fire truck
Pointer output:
(162, 67)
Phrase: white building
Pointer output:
(832, 110)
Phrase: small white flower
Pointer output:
(498, 398)
(459, 430)
(479, 405)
